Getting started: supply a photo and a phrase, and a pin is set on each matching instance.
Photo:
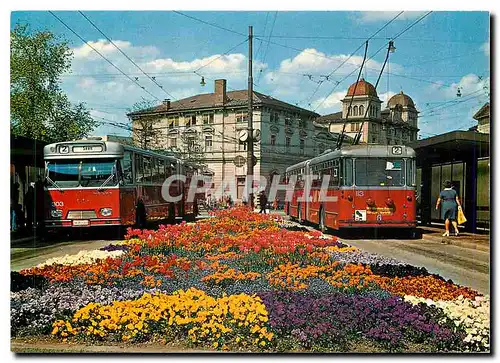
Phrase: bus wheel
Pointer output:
(322, 227)
(415, 233)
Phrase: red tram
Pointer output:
(357, 186)
(96, 183)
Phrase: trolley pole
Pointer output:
(250, 122)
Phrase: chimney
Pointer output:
(166, 103)
(220, 91)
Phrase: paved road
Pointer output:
(465, 266)
(30, 256)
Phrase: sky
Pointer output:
(294, 52)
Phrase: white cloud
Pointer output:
(469, 84)
(374, 16)
(330, 104)
(87, 82)
(106, 48)
(486, 48)
(384, 97)
(291, 80)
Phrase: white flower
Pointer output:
(82, 257)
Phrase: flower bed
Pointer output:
(240, 281)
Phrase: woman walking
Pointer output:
(448, 198)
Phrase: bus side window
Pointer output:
(334, 180)
(168, 168)
(148, 168)
(159, 171)
(139, 168)
(126, 165)
(347, 174)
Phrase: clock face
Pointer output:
(243, 135)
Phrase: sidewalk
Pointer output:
(464, 239)
(23, 236)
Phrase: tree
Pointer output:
(39, 108)
(192, 148)
(143, 131)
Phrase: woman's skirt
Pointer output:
(449, 212)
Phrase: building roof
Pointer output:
(336, 116)
(209, 100)
(400, 99)
(483, 112)
(363, 88)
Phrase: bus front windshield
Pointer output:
(85, 173)
(380, 172)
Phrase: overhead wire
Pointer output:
(102, 56)
(373, 55)
(208, 23)
(126, 56)
(267, 45)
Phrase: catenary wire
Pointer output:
(102, 56)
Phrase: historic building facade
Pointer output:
(211, 129)
(396, 124)
(482, 116)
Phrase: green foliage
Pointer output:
(39, 108)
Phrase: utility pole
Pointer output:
(250, 121)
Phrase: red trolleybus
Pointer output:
(95, 183)
(364, 185)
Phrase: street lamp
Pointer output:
(202, 83)
(392, 48)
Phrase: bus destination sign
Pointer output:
(87, 148)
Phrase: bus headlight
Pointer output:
(56, 213)
(106, 212)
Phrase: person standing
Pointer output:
(448, 199)
(29, 206)
(263, 202)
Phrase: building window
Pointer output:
(190, 120)
(355, 111)
(288, 121)
(208, 118)
(208, 142)
(349, 111)
(287, 143)
(173, 142)
(302, 146)
(241, 117)
(173, 122)
(242, 145)
(273, 140)
(302, 123)
(355, 126)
